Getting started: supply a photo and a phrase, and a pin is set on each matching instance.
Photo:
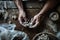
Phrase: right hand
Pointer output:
(22, 18)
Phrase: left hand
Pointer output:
(35, 20)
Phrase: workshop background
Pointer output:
(9, 14)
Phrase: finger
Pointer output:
(32, 21)
(20, 20)
(36, 23)
(25, 19)
(22, 23)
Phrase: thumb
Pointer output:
(33, 26)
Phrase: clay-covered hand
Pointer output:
(35, 20)
(22, 18)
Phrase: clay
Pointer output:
(8, 26)
(19, 34)
(7, 32)
(28, 24)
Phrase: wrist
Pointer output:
(40, 14)
(21, 11)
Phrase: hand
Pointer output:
(22, 18)
(35, 20)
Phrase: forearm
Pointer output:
(19, 4)
(48, 6)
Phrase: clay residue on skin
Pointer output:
(28, 24)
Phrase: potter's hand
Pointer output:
(22, 18)
(35, 20)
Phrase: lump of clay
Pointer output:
(2, 29)
(19, 35)
(26, 24)
(3, 34)
(7, 32)
(8, 26)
